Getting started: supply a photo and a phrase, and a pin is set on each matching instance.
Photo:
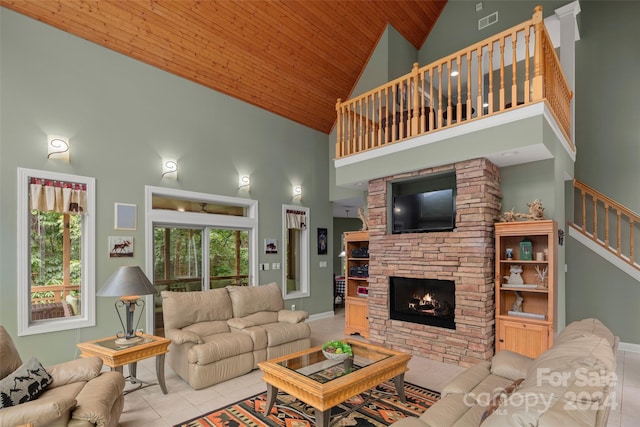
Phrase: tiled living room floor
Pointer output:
(149, 407)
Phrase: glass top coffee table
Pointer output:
(324, 383)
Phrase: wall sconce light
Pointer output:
(244, 181)
(57, 147)
(297, 191)
(170, 169)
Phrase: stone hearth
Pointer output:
(465, 256)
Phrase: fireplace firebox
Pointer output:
(425, 301)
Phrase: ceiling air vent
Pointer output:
(488, 20)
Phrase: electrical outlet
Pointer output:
(293, 307)
(275, 266)
(323, 264)
(478, 7)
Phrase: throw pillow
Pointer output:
(24, 384)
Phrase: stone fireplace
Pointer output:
(463, 257)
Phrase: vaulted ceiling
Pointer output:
(294, 58)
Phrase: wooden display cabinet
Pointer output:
(529, 331)
(356, 283)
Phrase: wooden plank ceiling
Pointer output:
(294, 58)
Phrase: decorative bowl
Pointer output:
(335, 356)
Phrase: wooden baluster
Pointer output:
(538, 55)
(379, 129)
(415, 109)
(480, 102)
(501, 97)
(339, 120)
(459, 94)
(431, 104)
(595, 218)
(361, 134)
(584, 212)
(514, 81)
(527, 61)
(423, 104)
(439, 99)
(490, 66)
(619, 218)
(449, 118)
(469, 85)
(631, 242)
(394, 92)
(606, 224)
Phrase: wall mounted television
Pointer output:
(418, 211)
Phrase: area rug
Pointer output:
(382, 410)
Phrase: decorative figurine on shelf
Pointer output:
(363, 218)
(536, 213)
(515, 277)
(541, 276)
(517, 303)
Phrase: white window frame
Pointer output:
(163, 217)
(87, 316)
(304, 254)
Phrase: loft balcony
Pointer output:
(460, 107)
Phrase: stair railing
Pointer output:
(605, 221)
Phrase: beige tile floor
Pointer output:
(149, 407)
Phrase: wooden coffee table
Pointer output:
(116, 356)
(308, 376)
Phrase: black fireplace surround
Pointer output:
(425, 301)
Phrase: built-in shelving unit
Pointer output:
(525, 328)
(356, 283)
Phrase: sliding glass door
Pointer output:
(187, 259)
(196, 242)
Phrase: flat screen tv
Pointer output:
(423, 212)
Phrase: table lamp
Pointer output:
(128, 283)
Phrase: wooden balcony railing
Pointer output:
(516, 67)
(608, 223)
(51, 293)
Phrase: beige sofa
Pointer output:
(569, 385)
(79, 394)
(220, 334)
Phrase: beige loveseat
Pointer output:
(569, 385)
(78, 395)
(220, 334)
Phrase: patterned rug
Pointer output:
(375, 413)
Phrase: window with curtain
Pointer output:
(56, 251)
(296, 238)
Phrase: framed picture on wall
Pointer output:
(125, 216)
(120, 246)
(270, 246)
(323, 241)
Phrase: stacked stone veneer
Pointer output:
(465, 256)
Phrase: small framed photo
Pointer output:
(125, 216)
(270, 246)
(120, 246)
(323, 241)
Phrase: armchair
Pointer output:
(77, 394)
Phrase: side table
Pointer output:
(116, 356)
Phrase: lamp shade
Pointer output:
(126, 281)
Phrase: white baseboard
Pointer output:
(627, 346)
(318, 316)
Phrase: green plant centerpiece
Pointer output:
(336, 349)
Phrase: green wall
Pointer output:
(608, 143)
(123, 117)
